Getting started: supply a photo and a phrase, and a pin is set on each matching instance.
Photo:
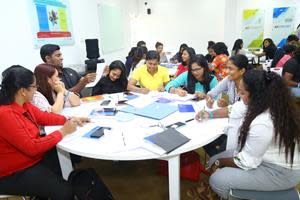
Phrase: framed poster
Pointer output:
(51, 22)
(253, 28)
(283, 24)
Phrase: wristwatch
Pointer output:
(217, 163)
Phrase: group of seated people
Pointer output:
(266, 154)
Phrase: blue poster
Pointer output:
(283, 24)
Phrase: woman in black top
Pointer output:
(269, 49)
(114, 82)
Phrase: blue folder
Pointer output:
(154, 110)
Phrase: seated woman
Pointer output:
(114, 82)
(238, 48)
(129, 60)
(177, 58)
(197, 80)
(267, 157)
(139, 58)
(236, 67)
(159, 48)
(151, 76)
(269, 49)
(186, 56)
(218, 65)
(29, 162)
(209, 56)
(51, 94)
(288, 54)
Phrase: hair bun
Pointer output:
(270, 75)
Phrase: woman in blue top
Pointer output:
(197, 80)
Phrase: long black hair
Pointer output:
(268, 91)
(220, 48)
(117, 64)
(241, 62)
(201, 61)
(191, 52)
(138, 55)
(297, 55)
(237, 46)
(15, 78)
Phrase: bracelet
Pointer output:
(211, 114)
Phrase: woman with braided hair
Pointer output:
(267, 157)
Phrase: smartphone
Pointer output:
(99, 132)
(176, 125)
(128, 93)
(105, 102)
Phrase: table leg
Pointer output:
(174, 177)
(65, 162)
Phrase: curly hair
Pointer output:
(267, 90)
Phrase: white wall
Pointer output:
(235, 24)
(17, 41)
(173, 22)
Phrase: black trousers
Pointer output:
(216, 146)
(43, 180)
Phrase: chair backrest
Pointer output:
(291, 194)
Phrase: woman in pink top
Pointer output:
(289, 50)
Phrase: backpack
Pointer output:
(87, 185)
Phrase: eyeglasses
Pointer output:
(196, 69)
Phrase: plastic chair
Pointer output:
(290, 194)
(9, 196)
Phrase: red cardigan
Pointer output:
(20, 143)
(180, 69)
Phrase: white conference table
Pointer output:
(112, 146)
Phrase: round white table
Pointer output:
(125, 140)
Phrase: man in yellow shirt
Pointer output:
(150, 76)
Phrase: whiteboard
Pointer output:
(111, 19)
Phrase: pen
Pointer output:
(123, 139)
(190, 120)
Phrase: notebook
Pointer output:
(154, 110)
(168, 140)
(186, 108)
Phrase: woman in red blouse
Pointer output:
(218, 65)
(28, 160)
(186, 57)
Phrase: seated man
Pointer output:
(291, 70)
(51, 54)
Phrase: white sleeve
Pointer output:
(41, 102)
(220, 88)
(259, 138)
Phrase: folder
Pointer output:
(168, 140)
(154, 110)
